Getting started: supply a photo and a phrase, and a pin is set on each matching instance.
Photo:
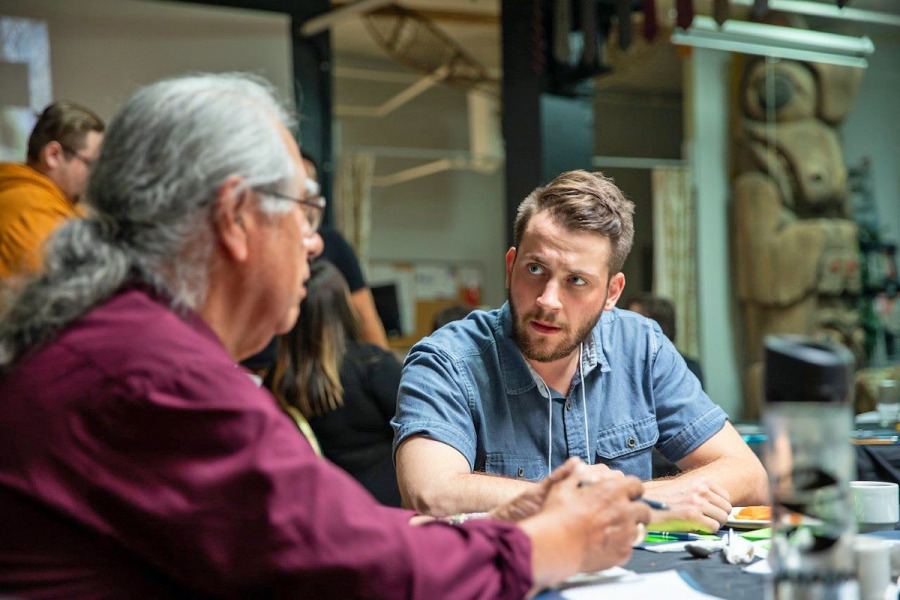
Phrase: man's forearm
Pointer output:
(370, 323)
(743, 477)
(463, 493)
(725, 460)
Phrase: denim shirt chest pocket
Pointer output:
(627, 447)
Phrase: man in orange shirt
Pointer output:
(36, 197)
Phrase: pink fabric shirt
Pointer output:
(137, 460)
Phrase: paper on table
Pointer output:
(760, 567)
(645, 585)
(597, 576)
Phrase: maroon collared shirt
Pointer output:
(137, 460)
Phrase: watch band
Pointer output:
(460, 518)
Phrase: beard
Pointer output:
(543, 352)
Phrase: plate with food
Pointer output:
(750, 517)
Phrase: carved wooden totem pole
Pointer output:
(795, 246)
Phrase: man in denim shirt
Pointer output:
(494, 402)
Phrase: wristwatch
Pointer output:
(460, 518)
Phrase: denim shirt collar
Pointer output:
(517, 376)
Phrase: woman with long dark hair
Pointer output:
(346, 388)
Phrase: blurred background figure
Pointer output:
(662, 311)
(37, 196)
(450, 314)
(345, 387)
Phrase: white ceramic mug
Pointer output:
(873, 566)
(876, 504)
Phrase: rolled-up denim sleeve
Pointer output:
(434, 401)
(685, 414)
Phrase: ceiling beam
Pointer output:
(288, 7)
(459, 17)
(334, 16)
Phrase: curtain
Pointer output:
(353, 201)
(674, 251)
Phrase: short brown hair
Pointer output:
(582, 201)
(64, 122)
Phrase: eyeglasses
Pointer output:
(313, 206)
(88, 162)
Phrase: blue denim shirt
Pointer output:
(468, 386)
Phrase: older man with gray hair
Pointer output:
(138, 460)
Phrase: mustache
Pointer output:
(544, 317)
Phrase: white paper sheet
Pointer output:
(598, 576)
(667, 584)
(760, 567)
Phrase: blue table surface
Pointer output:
(711, 575)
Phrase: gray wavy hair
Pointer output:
(150, 202)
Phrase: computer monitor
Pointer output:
(388, 308)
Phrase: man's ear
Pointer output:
(616, 287)
(510, 259)
(232, 208)
(52, 156)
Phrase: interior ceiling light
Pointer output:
(776, 41)
(415, 42)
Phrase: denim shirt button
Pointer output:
(632, 442)
(569, 405)
(521, 471)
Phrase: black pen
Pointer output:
(675, 535)
(654, 504)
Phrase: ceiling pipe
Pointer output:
(392, 104)
(829, 11)
(773, 40)
(438, 166)
(379, 75)
(328, 20)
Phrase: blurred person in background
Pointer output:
(37, 196)
(449, 314)
(345, 387)
(662, 310)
